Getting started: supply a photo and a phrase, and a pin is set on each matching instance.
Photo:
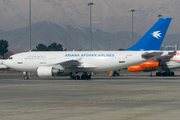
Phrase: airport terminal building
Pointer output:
(169, 47)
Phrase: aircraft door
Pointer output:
(121, 58)
(20, 60)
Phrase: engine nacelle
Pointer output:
(143, 66)
(135, 68)
(46, 71)
(150, 64)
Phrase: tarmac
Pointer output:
(125, 97)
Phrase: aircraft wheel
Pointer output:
(85, 76)
(164, 74)
(171, 73)
(158, 74)
(115, 73)
(82, 77)
(78, 77)
(88, 77)
(26, 77)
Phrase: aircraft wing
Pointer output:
(86, 65)
(70, 63)
(163, 62)
(151, 55)
(157, 56)
(166, 58)
(76, 63)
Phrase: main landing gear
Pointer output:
(84, 76)
(166, 73)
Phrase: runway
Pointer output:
(101, 98)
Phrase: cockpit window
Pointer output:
(10, 58)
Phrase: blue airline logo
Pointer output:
(89, 55)
(156, 34)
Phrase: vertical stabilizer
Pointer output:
(153, 39)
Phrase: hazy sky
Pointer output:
(108, 15)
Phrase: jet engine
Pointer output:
(143, 66)
(45, 71)
(150, 64)
(135, 68)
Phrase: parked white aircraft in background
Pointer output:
(2, 66)
(160, 65)
(71, 62)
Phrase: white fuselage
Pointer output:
(90, 61)
(175, 61)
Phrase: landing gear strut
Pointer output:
(73, 75)
(26, 77)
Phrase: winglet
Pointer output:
(152, 40)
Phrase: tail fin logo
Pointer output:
(156, 34)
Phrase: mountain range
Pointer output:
(107, 15)
(57, 20)
(72, 37)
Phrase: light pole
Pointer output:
(90, 4)
(30, 25)
(159, 16)
(132, 24)
(65, 43)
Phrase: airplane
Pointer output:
(160, 65)
(71, 62)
